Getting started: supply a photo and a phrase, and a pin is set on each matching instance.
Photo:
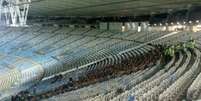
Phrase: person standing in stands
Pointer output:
(184, 46)
(70, 82)
(57, 78)
(172, 51)
(192, 43)
(178, 47)
(166, 53)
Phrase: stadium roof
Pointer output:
(106, 7)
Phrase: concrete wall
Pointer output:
(103, 26)
(117, 26)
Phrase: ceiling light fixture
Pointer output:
(160, 24)
(172, 23)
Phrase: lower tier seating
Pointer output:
(174, 81)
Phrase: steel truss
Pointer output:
(14, 12)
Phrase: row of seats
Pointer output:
(127, 38)
(178, 87)
(170, 77)
(62, 49)
(42, 87)
(154, 87)
(126, 93)
(168, 84)
(123, 85)
(59, 49)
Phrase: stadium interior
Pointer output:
(100, 50)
